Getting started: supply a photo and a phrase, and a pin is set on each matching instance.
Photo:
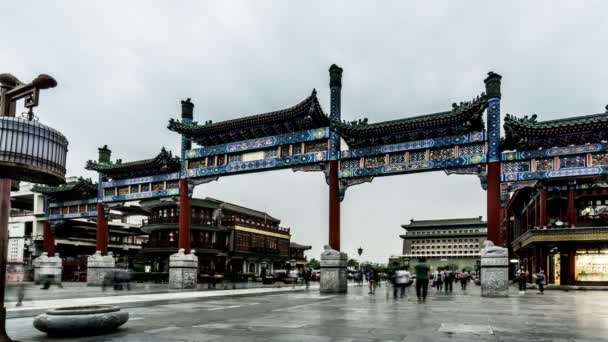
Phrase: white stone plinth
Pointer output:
(183, 270)
(494, 271)
(100, 267)
(333, 271)
(45, 267)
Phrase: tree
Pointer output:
(352, 263)
(314, 264)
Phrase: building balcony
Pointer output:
(560, 235)
(264, 227)
(174, 220)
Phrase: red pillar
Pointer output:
(102, 230)
(571, 213)
(184, 216)
(334, 206)
(544, 216)
(493, 203)
(48, 242)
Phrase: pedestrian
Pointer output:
(307, 275)
(49, 280)
(401, 282)
(540, 281)
(521, 278)
(211, 284)
(464, 280)
(422, 279)
(372, 281)
(438, 282)
(450, 275)
(20, 293)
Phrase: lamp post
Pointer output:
(29, 151)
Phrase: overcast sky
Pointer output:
(123, 67)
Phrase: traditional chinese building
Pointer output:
(222, 234)
(560, 224)
(445, 242)
(73, 236)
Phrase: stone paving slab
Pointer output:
(34, 308)
(357, 316)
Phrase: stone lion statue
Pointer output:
(489, 249)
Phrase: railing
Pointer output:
(558, 231)
(268, 228)
(175, 220)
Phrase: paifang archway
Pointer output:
(304, 138)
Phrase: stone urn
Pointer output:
(81, 320)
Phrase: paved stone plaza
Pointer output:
(310, 317)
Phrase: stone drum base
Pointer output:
(46, 267)
(333, 271)
(183, 270)
(81, 320)
(100, 268)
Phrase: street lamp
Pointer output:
(29, 151)
(360, 251)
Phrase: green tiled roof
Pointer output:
(528, 133)
(79, 189)
(164, 162)
(464, 117)
(305, 115)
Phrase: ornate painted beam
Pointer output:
(87, 214)
(267, 164)
(257, 144)
(410, 167)
(554, 152)
(141, 180)
(469, 138)
(71, 203)
(550, 174)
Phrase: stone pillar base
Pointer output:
(99, 268)
(494, 271)
(333, 271)
(183, 270)
(45, 266)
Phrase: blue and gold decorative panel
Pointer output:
(442, 153)
(396, 158)
(258, 144)
(571, 162)
(139, 180)
(412, 166)
(599, 159)
(58, 217)
(493, 114)
(547, 174)
(142, 195)
(544, 164)
(71, 203)
(474, 137)
(349, 163)
(554, 152)
(517, 166)
(374, 161)
(471, 149)
(416, 156)
(260, 165)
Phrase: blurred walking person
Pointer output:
(540, 281)
(422, 279)
(521, 278)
